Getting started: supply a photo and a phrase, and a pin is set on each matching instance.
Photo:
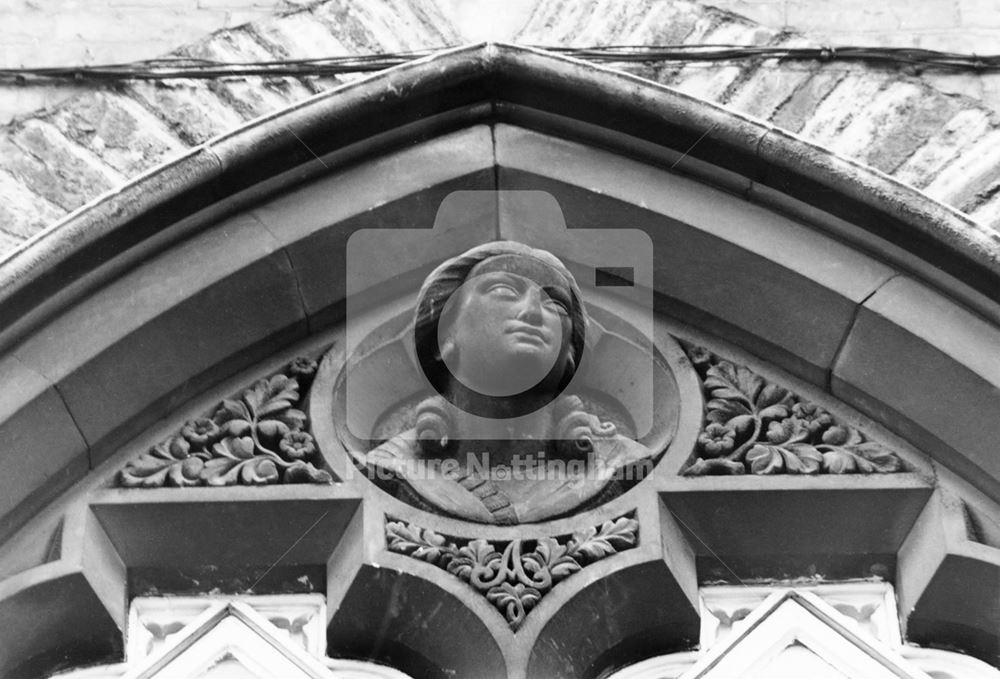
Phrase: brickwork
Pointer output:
(53, 161)
(898, 123)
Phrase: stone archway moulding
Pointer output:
(213, 271)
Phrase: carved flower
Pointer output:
(814, 418)
(201, 432)
(716, 440)
(302, 367)
(836, 435)
(296, 445)
(788, 430)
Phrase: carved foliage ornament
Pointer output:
(259, 437)
(514, 576)
(757, 427)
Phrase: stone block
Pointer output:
(709, 247)
(913, 356)
(724, 518)
(400, 191)
(41, 449)
(169, 527)
(66, 619)
(159, 334)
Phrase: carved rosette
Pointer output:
(258, 437)
(754, 426)
(515, 575)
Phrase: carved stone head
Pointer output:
(500, 328)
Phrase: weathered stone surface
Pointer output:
(41, 449)
(771, 83)
(170, 321)
(22, 211)
(65, 614)
(795, 112)
(973, 171)
(28, 159)
(189, 107)
(928, 368)
(318, 221)
(809, 97)
(798, 278)
(962, 129)
(101, 139)
(250, 97)
(118, 130)
(709, 80)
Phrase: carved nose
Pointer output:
(530, 310)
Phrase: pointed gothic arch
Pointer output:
(150, 305)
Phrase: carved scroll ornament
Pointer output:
(754, 426)
(514, 576)
(256, 438)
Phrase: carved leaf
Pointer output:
(420, 543)
(305, 472)
(476, 562)
(552, 557)
(731, 382)
(613, 536)
(797, 458)
(514, 601)
(715, 467)
(167, 463)
(727, 619)
(861, 614)
(757, 426)
(512, 582)
(863, 458)
(271, 395)
(258, 438)
(225, 471)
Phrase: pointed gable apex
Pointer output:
(798, 627)
(230, 633)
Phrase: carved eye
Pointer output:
(556, 300)
(504, 290)
(557, 306)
